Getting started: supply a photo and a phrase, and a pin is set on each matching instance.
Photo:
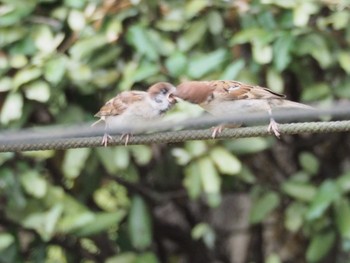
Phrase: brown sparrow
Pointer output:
(130, 107)
(221, 97)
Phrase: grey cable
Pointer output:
(59, 143)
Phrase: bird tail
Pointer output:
(101, 119)
(291, 104)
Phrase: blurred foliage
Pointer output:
(61, 60)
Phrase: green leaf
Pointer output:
(302, 12)
(101, 222)
(34, 184)
(26, 75)
(316, 91)
(344, 60)
(138, 36)
(193, 8)
(44, 39)
(144, 71)
(343, 182)
(342, 217)
(76, 20)
(316, 46)
(327, 193)
(148, 257)
(6, 84)
(233, 69)
(273, 258)
(124, 257)
(38, 90)
(262, 53)
(294, 216)
(215, 22)
(55, 69)
(206, 233)
(196, 148)
(274, 80)
(139, 224)
(301, 191)
(249, 35)
(309, 163)
(263, 206)
(205, 63)
(12, 108)
(44, 223)
(226, 162)
(192, 180)
(74, 161)
(193, 35)
(12, 14)
(6, 240)
(210, 178)
(320, 246)
(247, 145)
(84, 48)
(141, 153)
(176, 64)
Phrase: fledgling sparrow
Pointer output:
(222, 97)
(130, 107)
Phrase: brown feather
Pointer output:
(194, 91)
(120, 103)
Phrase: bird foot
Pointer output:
(127, 137)
(273, 128)
(105, 139)
(216, 131)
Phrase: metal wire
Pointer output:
(83, 135)
(173, 136)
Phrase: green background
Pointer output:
(242, 200)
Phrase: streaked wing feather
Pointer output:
(234, 90)
(120, 103)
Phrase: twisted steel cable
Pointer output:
(170, 136)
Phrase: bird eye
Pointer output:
(164, 91)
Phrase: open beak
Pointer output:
(171, 98)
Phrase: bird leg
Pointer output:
(217, 130)
(105, 139)
(273, 126)
(127, 137)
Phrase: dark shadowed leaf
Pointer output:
(319, 246)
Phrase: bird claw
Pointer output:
(216, 131)
(105, 139)
(273, 128)
(127, 137)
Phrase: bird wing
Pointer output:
(119, 104)
(234, 90)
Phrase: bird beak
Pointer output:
(171, 98)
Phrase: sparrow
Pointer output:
(136, 106)
(222, 97)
